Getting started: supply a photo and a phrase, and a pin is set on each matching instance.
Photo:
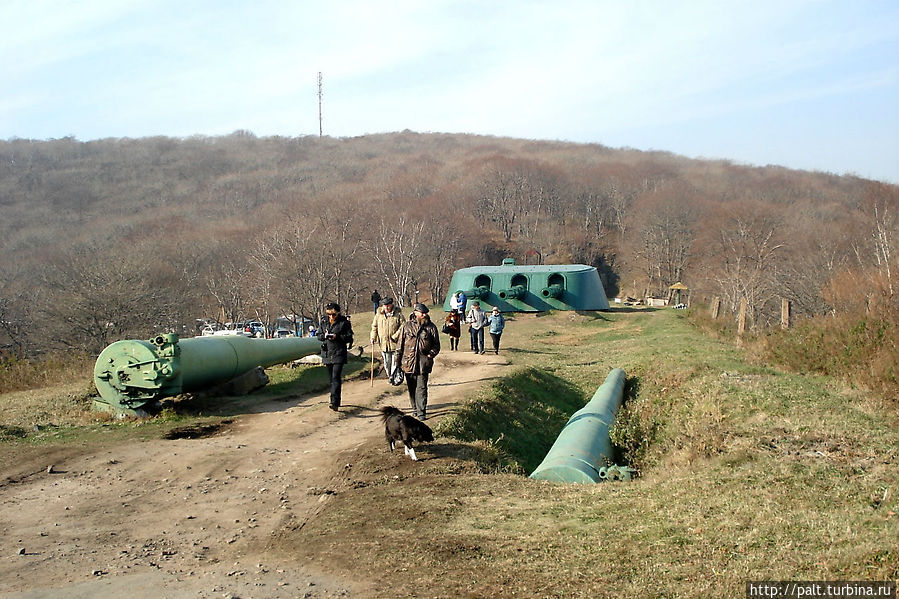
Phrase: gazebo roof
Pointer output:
(679, 286)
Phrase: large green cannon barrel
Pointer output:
(477, 292)
(584, 447)
(132, 374)
(514, 292)
(553, 291)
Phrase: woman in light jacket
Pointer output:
(496, 323)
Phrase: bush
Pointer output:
(54, 369)
(863, 350)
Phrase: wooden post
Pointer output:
(741, 322)
(786, 313)
(716, 307)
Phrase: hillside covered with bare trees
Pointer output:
(113, 238)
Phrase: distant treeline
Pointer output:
(124, 237)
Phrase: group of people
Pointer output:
(477, 320)
(408, 346)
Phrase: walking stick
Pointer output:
(372, 365)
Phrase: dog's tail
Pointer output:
(388, 411)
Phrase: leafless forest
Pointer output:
(115, 238)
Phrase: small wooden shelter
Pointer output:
(674, 292)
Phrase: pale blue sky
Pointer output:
(807, 84)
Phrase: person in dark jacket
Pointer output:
(375, 300)
(452, 326)
(336, 334)
(419, 345)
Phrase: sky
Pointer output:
(806, 84)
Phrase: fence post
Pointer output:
(786, 313)
(716, 307)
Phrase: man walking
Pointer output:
(385, 332)
(476, 320)
(419, 344)
(375, 300)
(335, 333)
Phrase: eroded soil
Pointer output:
(194, 515)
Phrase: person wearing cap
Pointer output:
(495, 322)
(476, 320)
(419, 345)
(385, 333)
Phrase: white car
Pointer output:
(232, 333)
(256, 328)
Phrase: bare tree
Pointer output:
(304, 270)
(501, 199)
(749, 248)
(884, 206)
(17, 300)
(666, 237)
(225, 282)
(340, 244)
(440, 249)
(93, 296)
(394, 252)
(264, 278)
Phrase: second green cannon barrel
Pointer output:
(553, 291)
(133, 374)
(514, 292)
(584, 446)
(479, 293)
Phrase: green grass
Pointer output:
(520, 416)
(747, 473)
(63, 414)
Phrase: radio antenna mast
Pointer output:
(319, 103)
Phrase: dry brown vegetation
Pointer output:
(117, 237)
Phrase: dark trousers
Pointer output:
(495, 337)
(477, 339)
(335, 373)
(418, 394)
(454, 343)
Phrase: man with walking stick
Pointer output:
(385, 334)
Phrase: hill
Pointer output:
(110, 238)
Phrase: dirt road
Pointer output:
(193, 517)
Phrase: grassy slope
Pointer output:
(747, 474)
(63, 414)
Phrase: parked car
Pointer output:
(232, 333)
(256, 328)
(282, 333)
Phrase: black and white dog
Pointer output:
(409, 430)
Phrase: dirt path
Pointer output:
(193, 517)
